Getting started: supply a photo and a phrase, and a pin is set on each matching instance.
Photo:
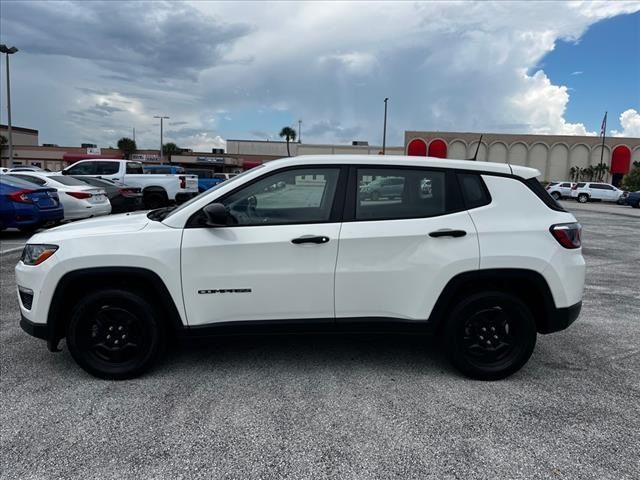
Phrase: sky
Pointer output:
(90, 72)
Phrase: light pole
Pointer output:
(299, 131)
(161, 117)
(384, 130)
(9, 51)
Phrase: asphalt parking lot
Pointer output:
(329, 407)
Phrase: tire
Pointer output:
(105, 318)
(374, 196)
(556, 196)
(637, 205)
(583, 198)
(506, 319)
(29, 229)
(155, 200)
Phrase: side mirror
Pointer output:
(216, 214)
(64, 172)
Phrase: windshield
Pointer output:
(17, 182)
(162, 213)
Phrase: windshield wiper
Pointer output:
(160, 214)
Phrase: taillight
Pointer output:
(79, 195)
(567, 234)
(130, 192)
(21, 196)
(183, 181)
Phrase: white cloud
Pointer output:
(630, 121)
(444, 65)
(577, 72)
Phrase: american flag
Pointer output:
(603, 128)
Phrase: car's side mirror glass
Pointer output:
(64, 172)
(216, 215)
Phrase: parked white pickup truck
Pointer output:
(158, 190)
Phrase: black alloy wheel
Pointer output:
(114, 334)
(490, 335)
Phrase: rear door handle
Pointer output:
(448, 233)
(310, 239)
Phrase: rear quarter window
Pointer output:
(474, 190)
(536, 187)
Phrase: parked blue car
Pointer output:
(633, 199)
(27, 206)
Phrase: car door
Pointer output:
(610, 193)
(396, 255)
(276, 260)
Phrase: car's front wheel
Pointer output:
(114, 334)
(490, 335)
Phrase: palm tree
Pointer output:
(169, 149)
(290, 135)
(574, 172)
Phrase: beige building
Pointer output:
(553, 155)
(20, 135)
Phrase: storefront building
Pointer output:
(553, 155)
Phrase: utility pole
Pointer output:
(299, 131)
(384, 130)
(161, 117)
(134, 134)
(603, 132)
(9, 51)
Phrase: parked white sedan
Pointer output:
(78, 199)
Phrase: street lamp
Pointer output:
(161, 117)
(9, 51)
(384, 131)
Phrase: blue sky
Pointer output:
(88, 72)
(601, 69)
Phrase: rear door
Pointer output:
(398, 253)
(277, 260)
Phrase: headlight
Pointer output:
(34, 254)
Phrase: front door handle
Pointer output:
(310, 239)
(448, 233)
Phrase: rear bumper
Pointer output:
(561, 318)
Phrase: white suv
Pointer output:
(586, 191)
(484, 257)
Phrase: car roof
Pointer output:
(402, 160)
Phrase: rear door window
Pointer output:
(107, 168)
(134, 168)
(392, 194)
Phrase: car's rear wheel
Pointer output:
(490, 335)
(556, 196)
(637, 204)
(114, 334)
(583, 198)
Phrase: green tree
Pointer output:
(631, 180)
(290, 135)
(169, 149)
(127, 145)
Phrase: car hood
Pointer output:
(122, 223)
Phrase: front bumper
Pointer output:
(560, 319)
(37, 330)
